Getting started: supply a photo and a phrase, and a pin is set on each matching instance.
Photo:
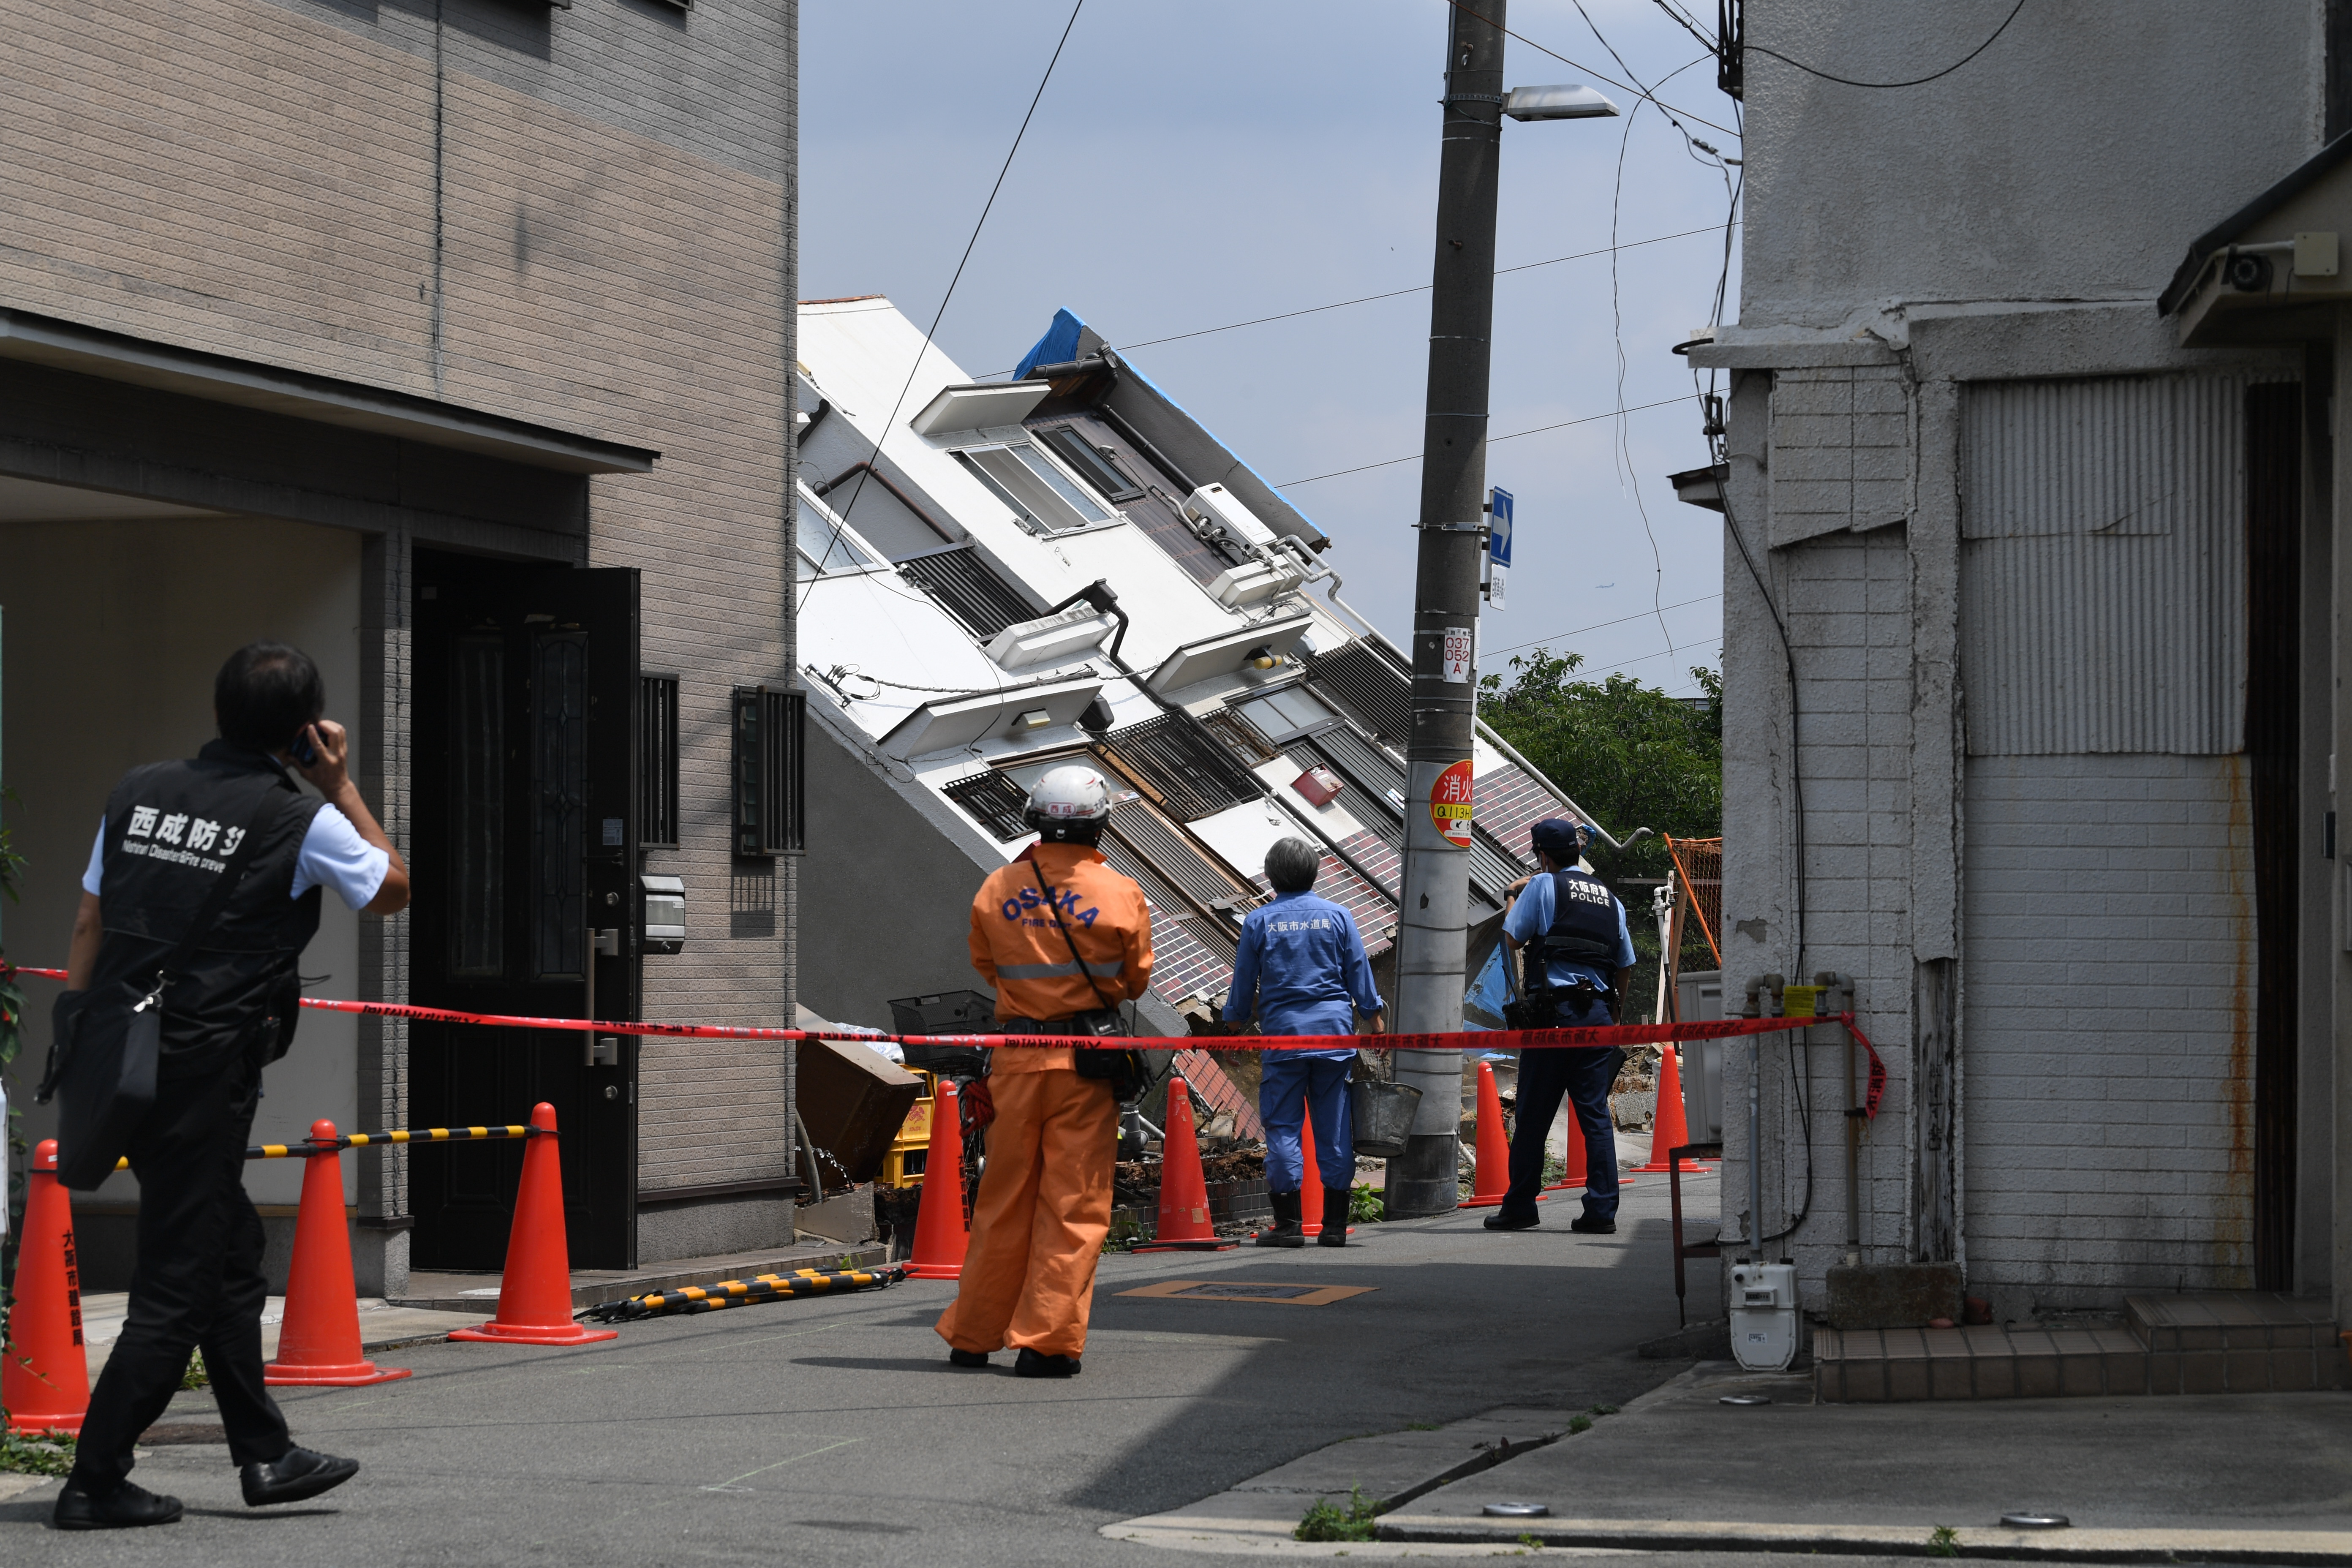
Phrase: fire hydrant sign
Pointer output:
(1449, 804)
(1457, 654)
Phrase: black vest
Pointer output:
(172, 830)
(1584, 929)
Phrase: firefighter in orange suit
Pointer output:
(1043, 1206)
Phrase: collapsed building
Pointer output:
(997, 577)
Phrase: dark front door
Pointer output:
(522, 731)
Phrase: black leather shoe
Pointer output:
(1029, 1364)
(1511, 1222)
(967, 1358)
(127, 1507)
(298, 1474)
(1592, 1226)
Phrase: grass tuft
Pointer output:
(1327, 1521)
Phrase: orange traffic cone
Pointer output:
(1184, 1192)
(1667, 1128)
(1310, 1181)
(45, 1383)
(320, 1341)
(535, 1291)
(1494, 1178)
(940, 1234)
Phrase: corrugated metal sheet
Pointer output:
(2103, 566)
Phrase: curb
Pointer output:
(2289, 1546)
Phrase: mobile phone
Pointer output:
(303, 751)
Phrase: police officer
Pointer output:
(1063, 939)
(169, 831)
(1578, 955)
(1301, 964)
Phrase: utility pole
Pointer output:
(1432, 925)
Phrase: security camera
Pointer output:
(2248, 274)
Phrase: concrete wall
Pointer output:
(2075, 159)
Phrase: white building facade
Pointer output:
(2031, 681)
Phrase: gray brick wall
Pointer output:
(577, 217)
(1841, 454)
(2108, 1051)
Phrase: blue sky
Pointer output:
(1200, 164)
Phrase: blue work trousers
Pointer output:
(1584, 1074)
(1291, 1088)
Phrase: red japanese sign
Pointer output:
(1449, 802)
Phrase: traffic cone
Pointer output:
(45, 1381)
(1310, 1181)
(940, 1234)
(1493, 1177)
(1667, 1128)
(320, 1340)
(1184, 1192)
(1577, 1175)
(535, 1291)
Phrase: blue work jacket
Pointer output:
(1302, 961)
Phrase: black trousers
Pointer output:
(197, 1284)
(1582, 1075)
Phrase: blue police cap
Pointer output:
(1559, 838)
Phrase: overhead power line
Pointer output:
(1755, 48)
(1389, 462)
(1395, 293)
(1596, 626)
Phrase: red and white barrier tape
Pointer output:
(1592, 1036)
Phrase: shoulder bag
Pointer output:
(1129, 1074)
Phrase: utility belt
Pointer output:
(1129, 1072)
(1541, 1009)
(1095, 1022)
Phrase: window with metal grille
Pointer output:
(1187, 772)
(1204, 882)
(769, 780)
(1368, 686)
(1228, 725)
(967, 589)
(657, 810)
(994, 800)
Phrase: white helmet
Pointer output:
(1068, 804)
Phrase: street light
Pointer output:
(1570, 100)
(1433, 916)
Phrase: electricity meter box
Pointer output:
(1764, 1315)
(665, 913)
(1698, 997)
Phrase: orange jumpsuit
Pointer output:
(1043, 1206)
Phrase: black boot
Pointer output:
(1289, 1231)
(1335, 1217)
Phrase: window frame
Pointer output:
(1022, 514)
(875, 560)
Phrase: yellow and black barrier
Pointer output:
(744, 1293)
(309, 1147)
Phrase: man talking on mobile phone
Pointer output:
(227, 836)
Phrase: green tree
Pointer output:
(1631, 756)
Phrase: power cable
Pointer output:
(1392, 294)
(1667, 109)
(1596, 626)
(1390, 462)
(916, 368)
(1755, 48)
(1682, 20)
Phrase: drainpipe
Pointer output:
(883, 480)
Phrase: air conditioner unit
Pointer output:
(1051, 639)
(1220, 505)
(1254, 582)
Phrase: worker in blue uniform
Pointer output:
(1301, 968)
(1570, 932)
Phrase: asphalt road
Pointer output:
(835, 1430)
